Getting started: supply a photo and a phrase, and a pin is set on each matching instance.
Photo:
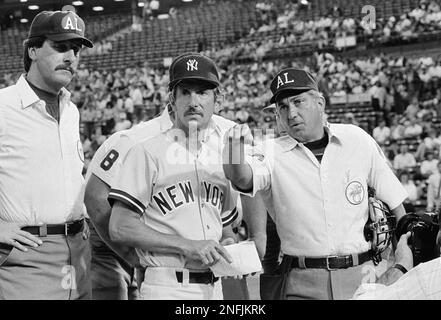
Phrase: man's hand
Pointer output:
(233, 157)
(207, 251)
(227, 241)
(403, 253)
(235, 140)
(11, 233)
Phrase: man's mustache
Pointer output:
(192, 109)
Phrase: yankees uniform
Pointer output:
(176, 192)
(112, 276)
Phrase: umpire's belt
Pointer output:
(197, 277)
(331, 262)
(68, 228)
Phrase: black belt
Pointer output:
(197, 277)
(331, 262)
(68, 228)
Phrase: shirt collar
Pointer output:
(214, 127)
(165, 122)
(333, 134)
(28, 97)
(288, 143)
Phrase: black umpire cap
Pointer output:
(292, 81)
(59, 26)
(193, 66)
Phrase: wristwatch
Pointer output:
(400, 267)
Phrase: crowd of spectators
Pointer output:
(281, 27)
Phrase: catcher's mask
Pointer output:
(422, 241)
(380, 227)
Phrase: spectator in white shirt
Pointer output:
(381, 133)
(429, 143)
(409, 185)
(412, 109)
(429, 165)
(136, 95)
(123, 123)
(129, 106)
(433, 190)
(413, 129)
(404, 159)
(378, 95)
(397, 129)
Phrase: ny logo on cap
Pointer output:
(192, 65)
(69, 25)
(281, 81)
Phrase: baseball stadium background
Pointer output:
(378, 64)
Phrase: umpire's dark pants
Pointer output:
(59, 269)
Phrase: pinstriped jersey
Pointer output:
(177, 192)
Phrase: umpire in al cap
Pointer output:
(317, 176)
(44, 247)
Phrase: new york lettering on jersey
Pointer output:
(181, 193)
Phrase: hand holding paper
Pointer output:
(245, 260)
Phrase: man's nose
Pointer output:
(194, 99)
(69, 56)
(293, 112)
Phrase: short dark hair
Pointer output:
(36, 42)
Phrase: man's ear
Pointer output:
(218, 102)
(171, 99)
(32, 52)
(276, 111)
(321, 101)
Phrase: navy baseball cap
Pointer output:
(193, 66)
(292, 81)
(59, 26)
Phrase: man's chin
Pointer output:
(194, 118)
(63, 80)
(298, 137)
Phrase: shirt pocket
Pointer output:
(5, 253)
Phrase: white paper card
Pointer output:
(245, 260)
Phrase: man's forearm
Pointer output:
(255, 216)
(126, 228)
(240, 175)
(127, 253)
(99, 211)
